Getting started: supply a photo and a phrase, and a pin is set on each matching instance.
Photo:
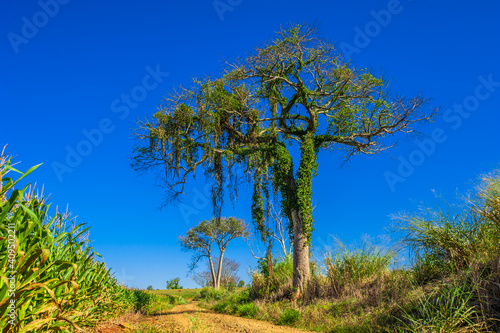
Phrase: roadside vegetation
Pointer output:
(451, 286)
(51, 278)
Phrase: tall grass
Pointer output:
(50, 277)
(460, 249)
(453, 284)
(353, 266)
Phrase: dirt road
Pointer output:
(191, 318)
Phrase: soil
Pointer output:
(191, 318)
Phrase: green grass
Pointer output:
(184, 293)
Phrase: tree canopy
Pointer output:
(200, 239)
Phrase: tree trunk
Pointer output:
(269, 257)
(301, 271)
(212, 271)
(219, 268)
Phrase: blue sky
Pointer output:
(76, 76)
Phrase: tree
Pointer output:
(173, 284)
(241, 283)
(150, 287)
(294, 92)
(269, 236)
(228, 274)
(220, 231)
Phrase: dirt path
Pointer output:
(191, 318)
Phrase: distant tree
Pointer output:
(228, 275)
(200, 238)
(150, 288)
(173, 284)
(265, 121)
(241, 283)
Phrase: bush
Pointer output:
(453, 240)
(446, 310)
(352, 266)
(208, 293)
(289, 317)
(230, 287)
(247, 310)
(279, 284)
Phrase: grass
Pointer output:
(452, 285)
(184, 293)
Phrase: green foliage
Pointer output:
(200, 238)
(230, 287)
(58, 282)
(289, 317)
(149, 303)
(241, 284)
(263, 284)
(450, 242)
(150, 288)
(247, 310)
(448, 309)
(351, 266)
(173, 283)
(184, 293)
(212, 294)
(307, 170)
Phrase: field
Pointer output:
(184, 293)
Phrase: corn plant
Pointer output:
(50, 277)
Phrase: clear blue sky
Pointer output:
(92, 68)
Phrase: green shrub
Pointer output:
(247, 310)
(451, 240)
(208, 293)
(446, 310)
(351, 266)
(289, 317)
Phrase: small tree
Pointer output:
(150, 288)
(241, 283)
(228, 275)
(173, 284)
(199, 239)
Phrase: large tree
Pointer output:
(200, 239)
(295, 91)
